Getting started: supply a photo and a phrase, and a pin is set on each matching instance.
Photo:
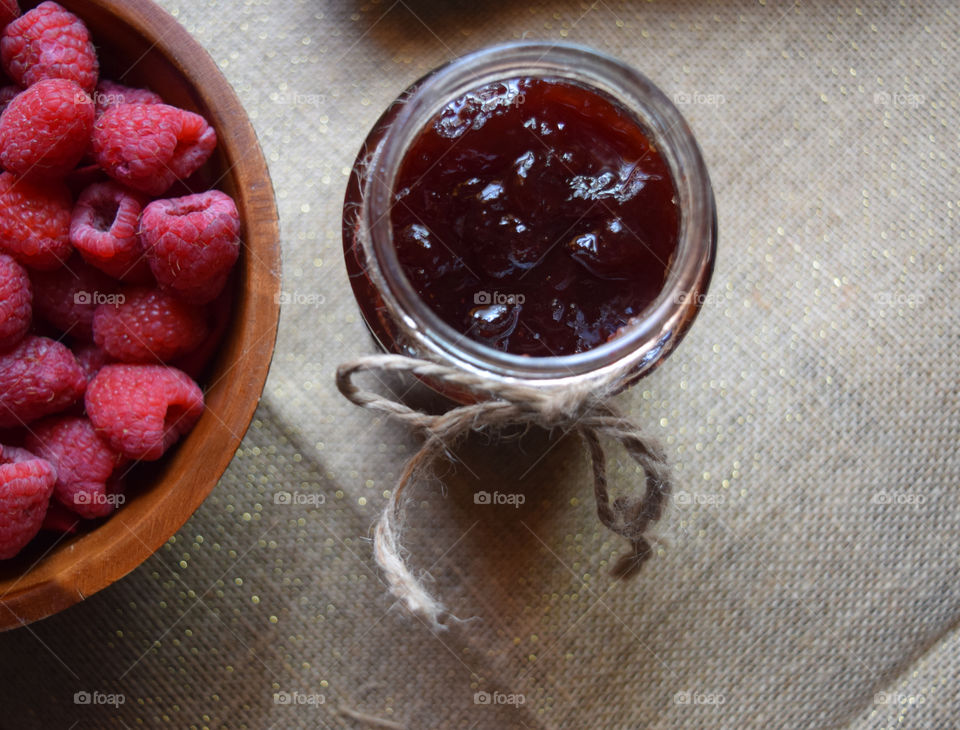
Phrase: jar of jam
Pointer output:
(533, 213)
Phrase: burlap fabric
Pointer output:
(809, 572)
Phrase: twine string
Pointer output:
(583, 408)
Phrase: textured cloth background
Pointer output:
(809, 577)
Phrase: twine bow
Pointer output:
(585, 409)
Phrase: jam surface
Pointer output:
(534, 216)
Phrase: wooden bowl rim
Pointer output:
(91, 570)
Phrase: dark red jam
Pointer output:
(535, 216)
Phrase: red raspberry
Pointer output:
(16, 302)
(192, 243)
(84, 463)
(59, 519)
(45, 130)
(34, 221)
(49, 42)
(110, 94)
(148, 325)
(15, 455)
(149, 146)
(104, 230)
(142, 410)
(67, 297)
(218, 319)
(91, 359)
(9, 11)
(25, 489)
(38, 377)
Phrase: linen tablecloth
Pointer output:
(807, 573)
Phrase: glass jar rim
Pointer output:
(639, 340)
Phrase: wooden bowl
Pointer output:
(141, 42)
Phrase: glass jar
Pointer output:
(402, 323)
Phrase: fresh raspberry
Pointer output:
(192, 243)
(67, 297)
(15, 455)
(84, 463)
(104, 230)
(39, 377)
(34, 221)
(60, 520)
(149, 146)
(142, 410)
(148, 326)
(16, 302)
(91, 359)
(110, 94)
(45, 130)
(7, 93)
(194, 363)
(9, 11)
(25, 489)
(49, 42)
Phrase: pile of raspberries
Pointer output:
(113, 277)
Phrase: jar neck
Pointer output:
(652, 333)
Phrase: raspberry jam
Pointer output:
(535, 216)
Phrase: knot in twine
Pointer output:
(581, 408)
